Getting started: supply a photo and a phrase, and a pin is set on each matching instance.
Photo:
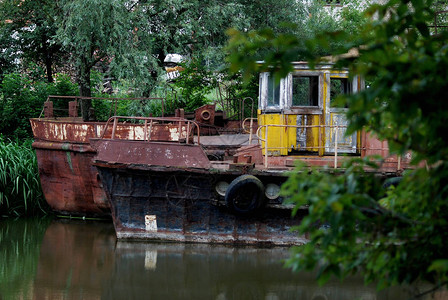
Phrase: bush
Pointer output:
(22, 98)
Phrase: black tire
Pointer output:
(393, 181)
(245, 194)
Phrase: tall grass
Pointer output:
(20, 190)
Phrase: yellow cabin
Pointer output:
(300, 116)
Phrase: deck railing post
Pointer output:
(187, 134)
(145, 134)
(180, 130)
(319, 141)
(336, 147)
(114, 128)
(250, 130)
(150, 129)
(266, 147)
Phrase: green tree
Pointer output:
(133, 38)
(94, 31)
(8, 55)
(391, 235)
(277, 48)
(197, 27)
(28, 33)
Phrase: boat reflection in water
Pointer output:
(82, 260)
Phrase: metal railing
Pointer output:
(149, 122)
(319, 146)
(113, 107)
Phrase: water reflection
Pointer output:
(82, 260)
(76, 260)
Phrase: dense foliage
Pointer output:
(20, 191)
(130, 40)
(27, 33)
(277, 50)
(197, 85)
(395, 235)
(22, 97)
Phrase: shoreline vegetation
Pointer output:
(20, 190)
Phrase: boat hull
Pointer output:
(70, 182)
(181, 206)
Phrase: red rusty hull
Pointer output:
(69, 181)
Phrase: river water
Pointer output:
(69, 259)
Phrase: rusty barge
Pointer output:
(69, 181)
(172, 190)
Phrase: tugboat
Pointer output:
(172, 190)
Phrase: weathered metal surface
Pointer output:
(48, 109)
(151, 153)
(69, 181)
(205, 114)
(75, 131)
(176, 206)
(373, 146)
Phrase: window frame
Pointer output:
(263, 98)
(353, 89)
(311, 110)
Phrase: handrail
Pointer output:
(114, 101)
(147, 133)
(265, 140)
(251, 126)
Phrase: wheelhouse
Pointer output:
(301, 113)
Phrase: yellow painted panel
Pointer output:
(280, 139)
(313, 133)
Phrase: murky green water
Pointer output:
(54, 259)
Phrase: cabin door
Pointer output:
(335, 139)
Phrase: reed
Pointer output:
(20, 190)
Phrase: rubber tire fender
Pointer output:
(393, 181)
(245, 194)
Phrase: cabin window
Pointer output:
(305, 91)
(273, 91)
(339, 86)
(333, 2)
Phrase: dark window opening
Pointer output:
(305, 91)
(273, 92)
(332, 2)
(339, 86)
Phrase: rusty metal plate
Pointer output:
(70, 183)
(150, 153)
(75, 131)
